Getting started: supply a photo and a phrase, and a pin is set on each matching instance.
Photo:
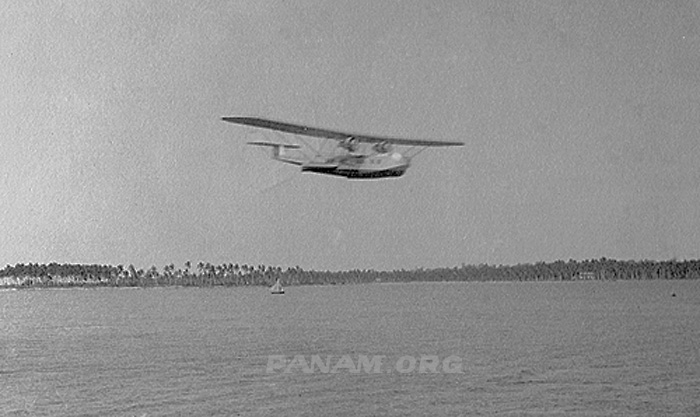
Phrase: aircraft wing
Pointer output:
(332, 134)
(275, 145)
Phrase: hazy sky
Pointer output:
(581, 121)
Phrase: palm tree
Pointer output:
(168, 272)
(200, 269)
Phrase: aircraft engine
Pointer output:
(382, 147)
(350, 144)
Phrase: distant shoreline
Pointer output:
(234, 275)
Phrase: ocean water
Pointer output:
(535, 348)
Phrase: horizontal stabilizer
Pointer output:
(275, 145)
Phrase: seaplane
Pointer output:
(357, 156)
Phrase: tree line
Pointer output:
(205, 274)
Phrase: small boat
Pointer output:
(277, 288)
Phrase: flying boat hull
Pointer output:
(354, 173)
